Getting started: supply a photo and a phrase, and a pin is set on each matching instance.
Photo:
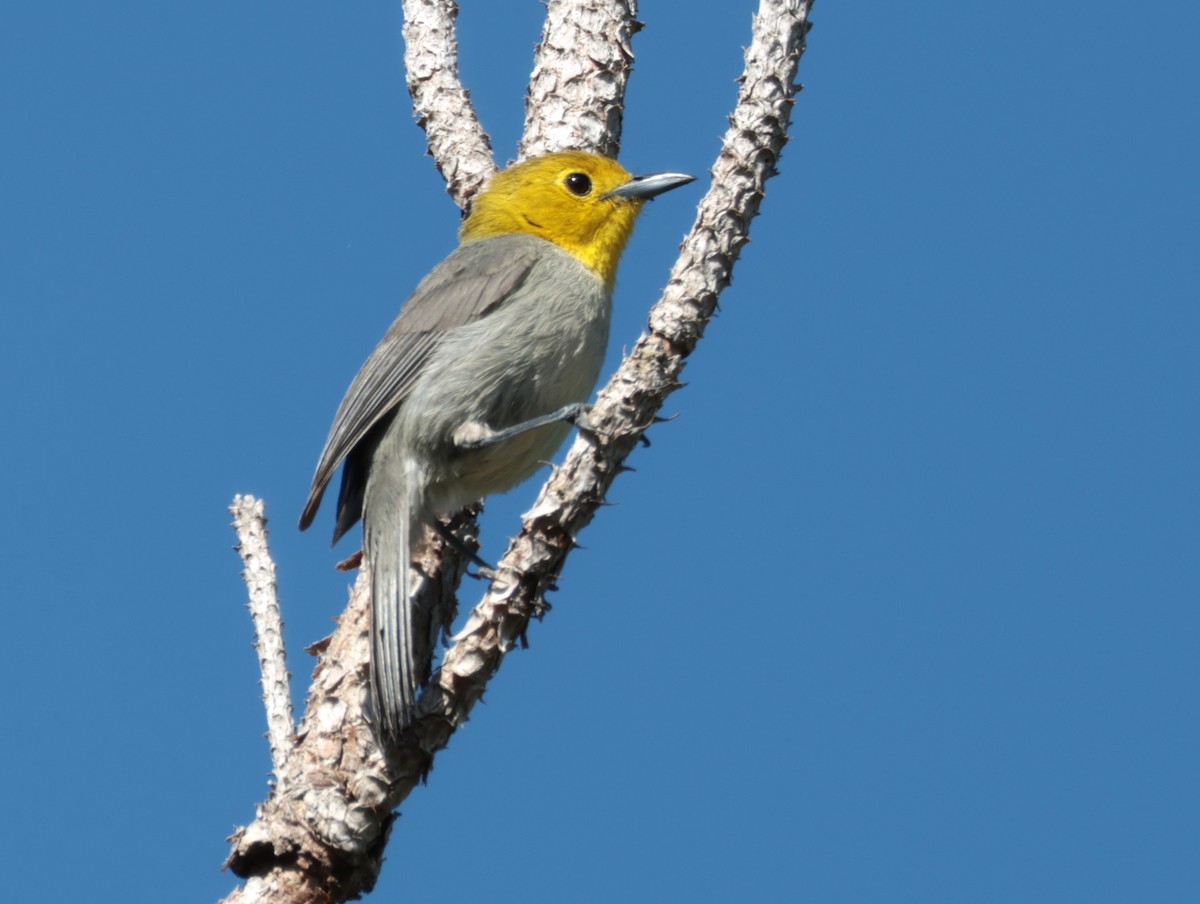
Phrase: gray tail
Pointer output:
(400, 651)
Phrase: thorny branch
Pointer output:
(321, 834)
(250, 522)
(459, 146)
(580, 70)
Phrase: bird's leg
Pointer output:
(485, 570)
(477, 435)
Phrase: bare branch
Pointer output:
(321, 834)
(459, 146)
(636, 392)
(577, 89)
(749, 151)
(259, 574)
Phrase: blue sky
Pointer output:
(901, 607)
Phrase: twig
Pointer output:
(250, 523)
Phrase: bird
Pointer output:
(476, 383)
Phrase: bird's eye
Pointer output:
(578, 184)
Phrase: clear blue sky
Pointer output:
(903, 607)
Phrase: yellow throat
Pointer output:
(563, 197)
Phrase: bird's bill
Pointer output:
(647, 187)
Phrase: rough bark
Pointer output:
(580, 69)
(249, 520)
(460, 148)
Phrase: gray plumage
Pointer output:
(504, 330)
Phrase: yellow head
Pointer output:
(584, 203)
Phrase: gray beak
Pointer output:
(647, 187)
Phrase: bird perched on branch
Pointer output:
(477, 381)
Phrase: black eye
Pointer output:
(578, 184)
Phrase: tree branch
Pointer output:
(460, 148)
(259, 575)
(321, 834)
(581, 67)
(632, 398)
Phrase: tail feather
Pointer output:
(399, 658)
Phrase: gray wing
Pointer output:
(469, 284)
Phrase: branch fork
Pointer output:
(320, 835)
